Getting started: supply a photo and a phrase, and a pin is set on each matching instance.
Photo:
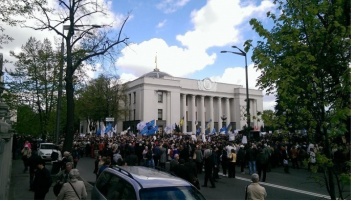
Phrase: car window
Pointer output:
(112, 187)
(102, 183)
(171, 193)
(47, 146)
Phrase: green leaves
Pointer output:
(305, 59)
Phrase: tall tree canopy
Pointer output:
(305, 59)
(102, 98)
(83, 40)
(33, 82)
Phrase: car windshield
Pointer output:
(171, 193)
(47, 146)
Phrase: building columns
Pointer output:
(219, 114)
(202, 109)
(211, 111)
(183, 129)
(168, 108)
(193, 119)
(228, 112)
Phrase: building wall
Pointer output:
(176, 89)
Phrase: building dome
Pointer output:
(156, 73)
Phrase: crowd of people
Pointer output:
(187, 156)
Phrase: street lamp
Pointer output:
(244, 54)
(224, 118)
(60, 82)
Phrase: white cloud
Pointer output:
(170, 6)
(161, 24)
(126, 77)
(216, 23)
(236, 75)
(140, 58)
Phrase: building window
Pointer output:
(134, 114)
(134, 97)
(160, 114)
(160, 97)
(129, 99)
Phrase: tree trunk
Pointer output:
(69, 136)
(331, 185)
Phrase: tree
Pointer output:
(269, 120)
(305, 57)
(92, 42)
(33, 82)
(101, 98)
(9, 10)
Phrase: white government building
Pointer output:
(170, 100)
(167, 99)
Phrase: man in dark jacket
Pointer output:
(209, 164)
(241, 158)
(42, 181)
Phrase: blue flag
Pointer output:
(198, 131)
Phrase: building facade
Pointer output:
(171, 100)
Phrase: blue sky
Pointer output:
(185, 35)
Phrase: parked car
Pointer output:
(45, 150)
(142, 183)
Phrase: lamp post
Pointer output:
(244, 54)
(224, 118)
(60, 79)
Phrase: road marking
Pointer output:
(288, 189)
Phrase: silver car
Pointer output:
(142, 183)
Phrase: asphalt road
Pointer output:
(298, 185)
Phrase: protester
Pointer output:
(241, 158)
(198, 158)
(26, 153)
(42, 181)
(312, 158)
(262, 159)
(74, 189)
(232, 162)
(255, 191)
(209, 164)
(62, 177)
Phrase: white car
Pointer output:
(45, 150)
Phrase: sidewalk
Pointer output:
(19, 185)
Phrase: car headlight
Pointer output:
(40, 153)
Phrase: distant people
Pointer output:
(251, 158)
(232, 162)
(255, 191)
(132, 158)
(42, 181)
(241, 158)
(224, 161)
(107, 164)
(312, 158)
(76, 156)
(174, 162)
(163, 155)
(26, 154)
(32, 164)
(62, 177)
(66, 158)
(209, 164)
(262, 161)
(74, 189)
(198, 159)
